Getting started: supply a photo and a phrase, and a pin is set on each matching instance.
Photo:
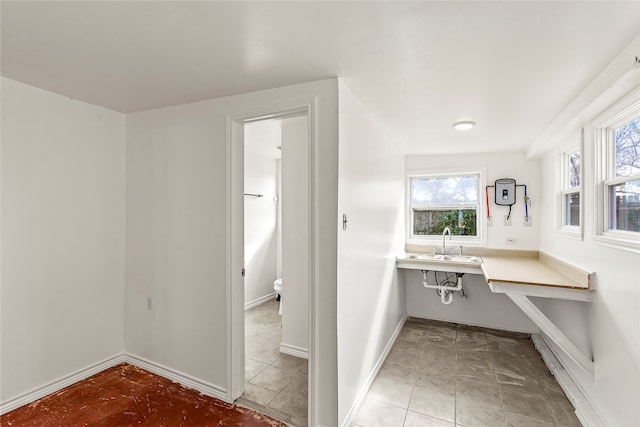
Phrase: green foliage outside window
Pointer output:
(462, 222)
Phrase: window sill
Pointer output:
(618, 242)
(574, 233)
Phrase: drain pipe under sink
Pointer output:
(445, 292)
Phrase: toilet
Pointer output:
(277, 286)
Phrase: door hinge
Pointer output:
(243, 271)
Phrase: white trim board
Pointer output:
(372, 376)
(292, 350)
(259, 301)
(554, 333)
(57, 385)
(585, 410)
(177, 376)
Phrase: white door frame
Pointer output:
(235, 243)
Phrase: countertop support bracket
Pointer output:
(553, 332)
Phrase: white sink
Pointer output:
(464, 259)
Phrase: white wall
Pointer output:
(176, 241)
(497, 165)
(63, 236)
(260, 220)
(295, 239)
(609, 327)
(482, 307)
(371, 300)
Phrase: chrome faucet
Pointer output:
(444, 233)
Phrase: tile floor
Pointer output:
(276, 383)
(441, 374)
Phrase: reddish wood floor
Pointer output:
(128, 396)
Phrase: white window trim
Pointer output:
(479, 240)
(617, 115)
(576, 143)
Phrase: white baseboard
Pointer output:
(59, 384)
(177, 376)
(292, 350)
(259, 301)
(586, 412)
(372, 376)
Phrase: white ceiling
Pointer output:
(419, 66)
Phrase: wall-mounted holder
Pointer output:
(505, 195)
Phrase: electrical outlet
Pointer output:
(149, 303)
(527, 221)
(511, 240)
(507, 220)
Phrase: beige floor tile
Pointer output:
(472, 340)
(397, 370)
(415, 419)
(252, 368)
(279, 390)
(413, 334)
(274, 379)
(435, 351)
(403, 357)
(293, 399)
(437, 398)
(476, 366)
(477, 392)
(442, 335)
(296, 365)
(505, 345)
(437, 360)
(525, 404)
(499, 379)
(257, 394)
(515, 420)
(266, 355)
(478, 404)
(393, 391)
(475, 414)
(374, 413)
(563, 413)
(409, 346)
(436, 367)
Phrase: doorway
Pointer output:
(269, 349)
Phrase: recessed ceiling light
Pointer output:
(464, 125)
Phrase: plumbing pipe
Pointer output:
(446, 297)
(526, 203)
(486, 193)
(458, 287)
(445, 292)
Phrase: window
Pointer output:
(623, 185)
(618, 143)
(570, 191)
(444, 200)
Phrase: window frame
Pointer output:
(575, 144)
(604, 152)
(431, 240)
